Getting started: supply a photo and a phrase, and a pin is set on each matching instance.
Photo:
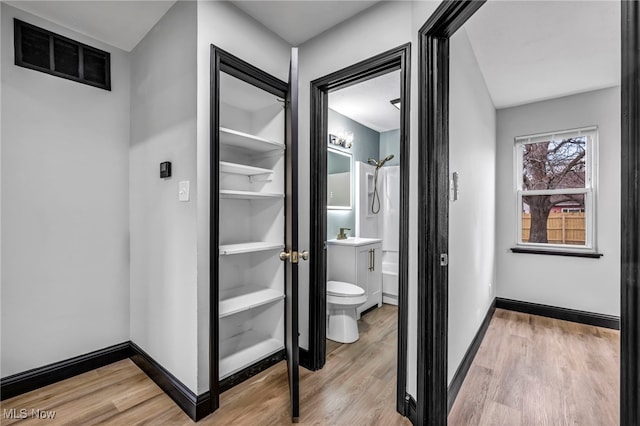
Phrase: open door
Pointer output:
(291, 254)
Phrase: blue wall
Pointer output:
(390, 144)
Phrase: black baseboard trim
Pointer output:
(251, 371)
(196, 406)
(36, 378)
(573, 315)
(463, 368)
(411, 409)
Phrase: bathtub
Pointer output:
(390, 283)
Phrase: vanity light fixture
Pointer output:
(343, 139)
(395, 103)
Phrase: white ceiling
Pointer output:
(299, 21)
(119, 23)
(369, 104)
(534, 50)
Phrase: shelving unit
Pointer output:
(247, 141)
(250, 275)
(230, 249)
(247, 195)
(241, 351)
(242, 298)
(244, 170)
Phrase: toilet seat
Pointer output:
(339, 288)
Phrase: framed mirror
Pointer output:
(339, 180)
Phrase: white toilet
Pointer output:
(342, 301)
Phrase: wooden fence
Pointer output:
(562, 228)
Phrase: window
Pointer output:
(42, 50)
(555, 190)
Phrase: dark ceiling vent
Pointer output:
(42, 50)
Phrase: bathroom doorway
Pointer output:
(337, 142)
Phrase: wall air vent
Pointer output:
(42, 50)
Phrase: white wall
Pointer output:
(225, 26)
(472, 153)
(578, 283)
(65, 257)
(163, 229)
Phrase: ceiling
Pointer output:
(534, 50)
(119, 23)
(369, 104)
(527, 50)
(299, 21)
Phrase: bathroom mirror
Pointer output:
(339, 180)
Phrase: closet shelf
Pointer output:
(242, 298)
(247, 141)
(244, 349)
(241, 169)
(229, 249)
(248, 195)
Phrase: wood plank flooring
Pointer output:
(356, 387)
(529, 371)
(532, 371)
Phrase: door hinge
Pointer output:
(444, 259)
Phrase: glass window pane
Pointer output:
(554, 164)
(66, 57)
(554, 219)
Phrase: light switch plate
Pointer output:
(183, 190)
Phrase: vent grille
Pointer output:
(42, 50)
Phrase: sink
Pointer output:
(355, 241)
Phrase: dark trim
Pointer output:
(36, 378)
(17, 42)
(196, 406)
(630, 221)
(433, 206)
(222, 61)
(305, 358)
(398, 58)
(411, 409)
(556, 252)
(252, 370)
(470, 354)
(369, 309)
(566, 314)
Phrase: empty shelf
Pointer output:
(242, 298)
(229, 249)
(248, 195)
(241, 169)
(247, 141)
(245, 349)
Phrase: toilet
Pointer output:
(342, 301)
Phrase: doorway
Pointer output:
(397, 59)
(434, 184)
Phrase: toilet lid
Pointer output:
(339, 288)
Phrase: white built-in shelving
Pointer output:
(257, 144)
(242, 298)
(230, 249)
(248, 195)
(241, 351)
(241, 169)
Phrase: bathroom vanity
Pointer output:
(357, 261)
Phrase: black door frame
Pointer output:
(398, 58)
(222, 61)
(433, 211)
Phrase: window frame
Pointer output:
(590, 190)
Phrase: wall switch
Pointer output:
(183, 190)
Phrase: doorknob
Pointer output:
(304, 254)
(284, 255)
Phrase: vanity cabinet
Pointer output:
(357, 261)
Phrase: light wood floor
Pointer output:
(534, 371)
(356, 387)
